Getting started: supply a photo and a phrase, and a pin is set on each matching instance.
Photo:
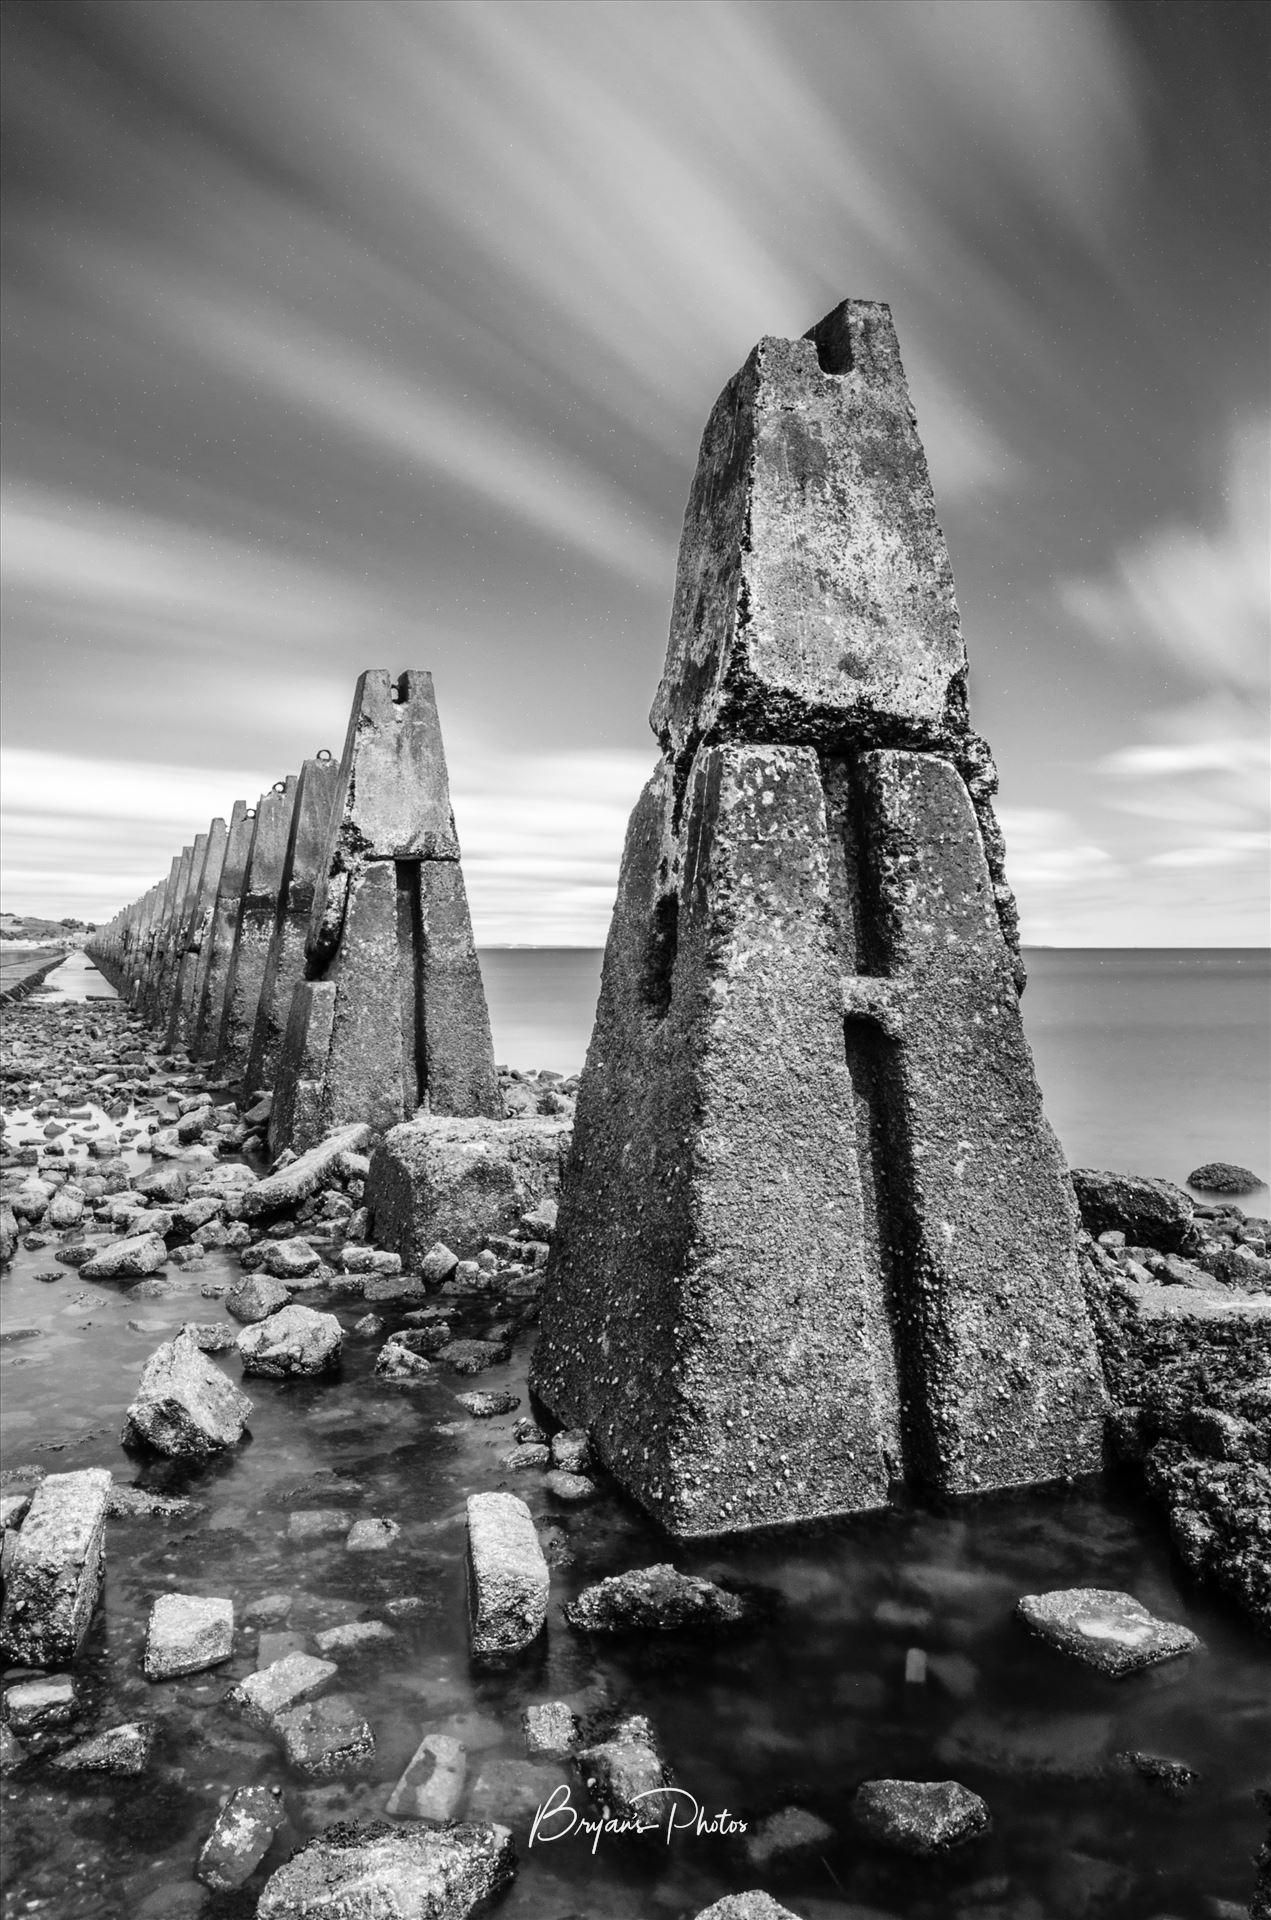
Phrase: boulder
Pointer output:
(292, 1259)
(328, 1739)
(168, 1183)
(573, 1488)
(486, 1406)
(370, 1535)
(508, 1579)
(459, 1182)
(1112, 1632)
(280, 1686)
(184, 1406)
(653, 1599)
(920, 1817)
(438, 1264)
(32, 1706)
(55, 1569)
(319, 1167)
(186, 1634)
(255, 1297)
(131, 1259)
(551, 1730)
(242, 1836)
(432, 1785)
(379, 1872)
(1216, 1176)
(294, 1342)
(472, 1356)
(1150, 1213)
(748, 1906)
(123, 1750)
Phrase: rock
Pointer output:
(472, 1356)
(540, 1222)
(131, 1259)
(280, 1686)
(378, 1872)
(786, 1837)
(32, 1706)
(571, 1451)
(120, 1750)
(13, 1510)
(327, 1739)
(1220, 1176)
(920, 1817)
(1151, 1213)
(210, 1336)
(66, 1208)
(432, 1785)
(523, 1459)
(438, 1264)
(168, 1183)
(1112, 1632)
(573, 1488)
(291, 1259)
(8, 1234)
(656, 1598)
(1167, 1776)
(1068, 1747)
(352, 1636)
(255, 1298)
(396, 1361)
(758, 1906)
(551, 1730)
(370, 1326)
(369, 1535)
(460, 1182)
(184, 1406)
(133, 1503)
(317, 1168)
(486, 1406)
(625, 1775)
(242, 1836)
(187, 1633)
(12, 1753)
(370, 1260)
(508, 1579)
(317, 1523)
(293, 1342)
(55, 1570)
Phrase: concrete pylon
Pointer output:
(218, 944)
(164, 961)
(816, 1246)
(285, 961)
(258, 902)
(391, 1016)
(191, 971)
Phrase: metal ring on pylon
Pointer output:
(250, 814)
(280, 786)
(324, 753)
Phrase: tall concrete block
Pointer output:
(191, 967)
(218, 945)
(168, 945)
(53, 1582)
(816, 1245)
(389, 940)
(258, 905)
(285, 961)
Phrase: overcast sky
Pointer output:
(350, 333)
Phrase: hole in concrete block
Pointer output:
(659, 957)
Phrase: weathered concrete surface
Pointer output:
(508, 1579)
(258, 906)
(460, 1181)
(153, 1004)
(281, 1191)
(192, 963)
(391, 1016)
(285, 961)
(187, 1633)
(379, 1872)
(218, 945)
(817, 1238)
(55, 1574)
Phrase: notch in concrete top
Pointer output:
(814, 601)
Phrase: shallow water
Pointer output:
(796, 1709)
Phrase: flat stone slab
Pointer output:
(653, 1598)
(280, 1686)
(123, 1750)
(184, 1406)
(33, 1705)
(131, 1259)
(920, 1817)
(1112, 1632)
(508, 1579)
(316, 1168)
(326, 1739)
(432, 1785)
(242, 1836)
(352, 1636)
(487, 1406)
(371, 1535)
(187, 1633)
(55, 1568)
(379, 1872)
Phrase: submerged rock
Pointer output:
(1112, 1632)
(920, 1817)
(123, 1750)
(432, 1785)
(242, 1836)
(295, 1341)
(187, 1633)
(55, 1569)
(280, 1686)
(748, 1906)
(328, 1738)
(34, 1705)
(787, 1836)
(377, 1872)
(657, 1598)
(184, 1407)
(1221, 1176)
(551, 1730)
(625, 1775)
(508, 1580)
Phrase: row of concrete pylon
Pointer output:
(309, 947)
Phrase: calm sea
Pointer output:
(1151, 1059)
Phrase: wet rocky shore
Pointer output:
(307, 1604)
